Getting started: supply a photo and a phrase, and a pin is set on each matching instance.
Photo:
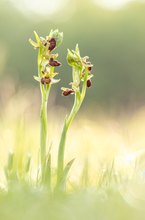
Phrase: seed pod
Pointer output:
(52, 45)
(45, 80)
(54, 63)
(67, 92)
(89, 83)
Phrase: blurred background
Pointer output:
(112, 34)
(107, 137)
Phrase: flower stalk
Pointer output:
(80, 74)
(46, 63)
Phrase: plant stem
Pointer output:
(79, 97)
(43, 119)
(43, 115)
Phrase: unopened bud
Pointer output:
(74, 59)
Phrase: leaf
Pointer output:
(62, 183)
(47, 171)
(67, 169)
(28, 162)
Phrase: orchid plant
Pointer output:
(81, 79)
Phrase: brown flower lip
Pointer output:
(89, 83)
(89, 68)
(54, 63)
(45, 80)
(52, 45)
(67, 92)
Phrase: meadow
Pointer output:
(106, 180)
(65, 161)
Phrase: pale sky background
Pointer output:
(48, 7)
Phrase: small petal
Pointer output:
(37, 78)
(33, 43)
(54, 81)
(37, 37)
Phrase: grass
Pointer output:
(106, 180)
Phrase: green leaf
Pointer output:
(47, 171)
(61, 185)
(67, 169)
(28, 162)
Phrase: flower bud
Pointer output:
(74, 59)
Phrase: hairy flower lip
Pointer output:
(89, 83)
(54, 63)
(67, 92)
(45, 80)
(52, 45)
(90, 68)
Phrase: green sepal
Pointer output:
(54, 81)
(37, 78)
(33, 43)
(88, 77)
(64, 88)
(37, 37)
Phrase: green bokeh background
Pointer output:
(114, 41)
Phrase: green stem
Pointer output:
(43, 121)
(79, 97)
(43, 114)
